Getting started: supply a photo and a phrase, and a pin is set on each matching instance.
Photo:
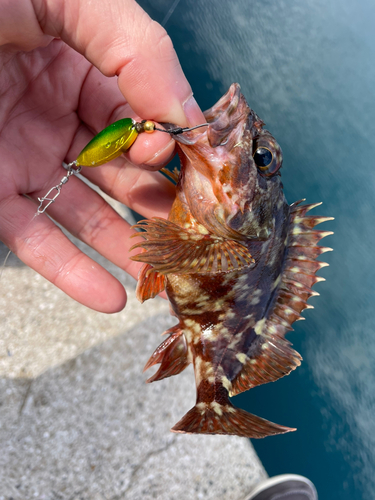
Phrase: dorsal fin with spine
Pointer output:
(298, 276)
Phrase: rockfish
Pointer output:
(237, 263)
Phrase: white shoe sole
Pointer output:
(273, 481)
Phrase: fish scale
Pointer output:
(237, 263)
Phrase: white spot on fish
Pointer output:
(203, 299)
(241, 357)
(226, 383)
(227, 315)
(193, 325)
(218, 304)
(201, 229)
(259, 325)
(197, 370)
(277, 281)
(272, 329)
(217, 408)
(295, 269)
(208, 334)
(188, 335)
(202, 407)
(224, 331)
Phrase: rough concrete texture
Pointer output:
(77, 420)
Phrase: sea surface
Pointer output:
(307, 68)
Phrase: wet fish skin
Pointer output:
(237, 263)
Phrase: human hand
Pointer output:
(55, 96)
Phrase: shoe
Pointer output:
(284, 487)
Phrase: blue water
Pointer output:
(307, 68)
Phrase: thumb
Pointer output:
(119, 38)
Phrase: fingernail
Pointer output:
(159, 158)
(193, 112)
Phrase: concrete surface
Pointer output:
(78, 422)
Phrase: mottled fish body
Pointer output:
(237, 263)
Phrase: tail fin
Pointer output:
(172, 354)
(213, 418)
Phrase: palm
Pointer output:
(53, 102)
(44, 112)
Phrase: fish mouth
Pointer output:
(225, 119)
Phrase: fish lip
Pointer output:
(227, 104)
(223, 118)
(227, 119)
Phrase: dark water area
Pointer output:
(307, 69)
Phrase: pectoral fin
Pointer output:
(173, 249)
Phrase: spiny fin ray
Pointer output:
(170, 248)
(273, 357)
(149, 284)
(172, 354)
(268, 364)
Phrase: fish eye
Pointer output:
(263, 158)
(267, 154)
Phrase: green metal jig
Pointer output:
(117, 139)
(110, 143)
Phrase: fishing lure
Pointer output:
(112, 142)
(107, 145)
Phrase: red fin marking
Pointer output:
(306, 253)
(305, 279)
(174, 249)
(297, 289)
(149, 283)
(303, 209)
(278, 320)
(310, 221)
(212, 418)
(306, 266)
(308, 238)
(287, 313)
(172, 354)
(297, 303)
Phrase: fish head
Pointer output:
(230, 170)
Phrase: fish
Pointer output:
(237, 263)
